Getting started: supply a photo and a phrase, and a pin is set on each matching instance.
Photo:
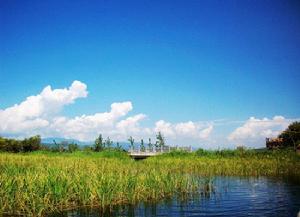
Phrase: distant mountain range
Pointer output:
(50, 141)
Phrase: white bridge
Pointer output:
(139, 153)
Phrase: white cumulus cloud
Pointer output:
(254, 131)
(188, 129)
(40, 114)
(86, 127)
(35, 112)
(165, 128)
(131, 125)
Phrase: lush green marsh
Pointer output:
(40, 182)
(234, 162)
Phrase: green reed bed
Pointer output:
(38, 183)
(233, 163)
(34, 184)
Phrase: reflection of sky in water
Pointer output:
(232, 196)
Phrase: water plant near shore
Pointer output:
(233, 162)
(42, 182)
(34, 184)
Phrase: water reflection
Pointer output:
(231, 196)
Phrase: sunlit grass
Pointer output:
(33, 184)
(234, 163)
(42, 182)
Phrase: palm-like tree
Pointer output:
(131, 141)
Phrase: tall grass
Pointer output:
(233, 162)
(42, 182)
(37, 183)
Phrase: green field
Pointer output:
(41, 182)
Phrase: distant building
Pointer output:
(274, 143)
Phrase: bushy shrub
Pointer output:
(25, 145)
(291, 136)
(203, 152)
(72, 147)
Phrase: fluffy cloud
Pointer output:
(35, 112)
(86, 127)
(130, 126)
(185, 129)
(254, 130)
(165, 128)
(40, 114)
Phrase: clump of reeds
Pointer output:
(35, 184)
(42, 182)
(234, 162)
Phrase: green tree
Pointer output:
(3, 144)
(108, 143)
(118, 147)
(72, 147)
(55, 147)
(131, 141)
(26, 145)
(31, 144)
(291, 136)
(150, 144)
(142, 145)
(35, 142)
(160, 140)
(99, 145)
(14, 145)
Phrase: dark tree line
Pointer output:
(34, 144)
(26, 145)
(291, 136)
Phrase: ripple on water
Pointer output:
(233, 196)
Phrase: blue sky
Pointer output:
(213, 63)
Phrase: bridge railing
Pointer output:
(164, 149)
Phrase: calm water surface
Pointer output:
(232, 196)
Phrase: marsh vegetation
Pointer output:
(42, 182)
(35, 179)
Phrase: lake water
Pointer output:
(232, 196)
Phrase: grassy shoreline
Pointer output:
(41, 182)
